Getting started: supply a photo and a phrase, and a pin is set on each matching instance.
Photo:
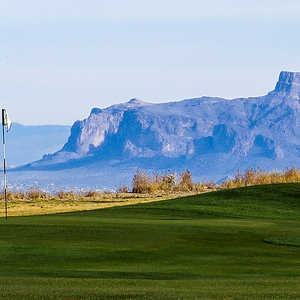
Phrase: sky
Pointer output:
(60, 58)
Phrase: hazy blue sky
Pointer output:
(60, 58)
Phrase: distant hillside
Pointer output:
(29, 143)
(213, 137)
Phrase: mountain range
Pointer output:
(213, 137)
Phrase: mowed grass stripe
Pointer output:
(210, 246)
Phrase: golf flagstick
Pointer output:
(5, 122)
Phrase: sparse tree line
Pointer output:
(169, 183)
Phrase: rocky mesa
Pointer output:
(214, 137)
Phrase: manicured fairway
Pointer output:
(221, 245)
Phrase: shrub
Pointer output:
(91, 194)
(256, 177)
(123, 189)
(164, 183)
(9, 195)
(141, 183)
(250, 176)
(167, 183)
(19, 195)
(185, 182)
(198, 187)
(67, 195)
(36, 194)
(61, 194)
(292, 175)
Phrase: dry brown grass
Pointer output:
(145, 189)
(167, 184)
(257, 177)
(74, 202)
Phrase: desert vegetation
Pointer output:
(168, 183)
(145, 188)
(171, 183)
(144, 185)
(35, 202)
(258, 177)
(39, 195)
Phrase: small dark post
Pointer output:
(4, 123)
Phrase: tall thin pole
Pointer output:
(4, 161)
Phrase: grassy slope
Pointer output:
(209, 246)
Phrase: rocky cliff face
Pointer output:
(208, 135)
(288, 84)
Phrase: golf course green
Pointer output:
(232, 244)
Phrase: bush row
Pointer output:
(257, 177)
(143, 183)
(35, 194)
(168, 183)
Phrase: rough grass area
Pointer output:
(26, 206)
(209, 246)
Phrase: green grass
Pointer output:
(222, 245)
